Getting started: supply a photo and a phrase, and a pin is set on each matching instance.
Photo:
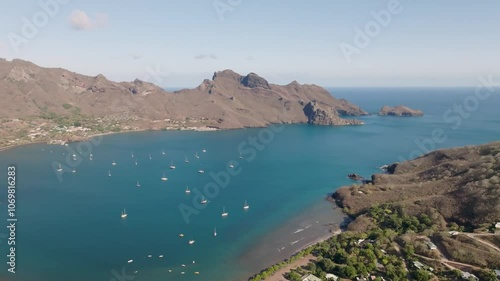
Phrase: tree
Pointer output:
(421, 275)
(361, 269)
(311, 267)
(341, 257)
(294, 276)
(409, 251)
(348, 271)
(327, 265)
(487, 275)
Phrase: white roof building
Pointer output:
(330, 276)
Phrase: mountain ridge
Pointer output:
(227, 101)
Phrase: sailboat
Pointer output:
(187, 190)
(203, 200)
(124, 214)
(203, 150)
(163, 152)
(201, 171)
(231, 165)
(191, 242)
(136, 161)
(241, 157)
(186, 160)
(60, 168)
(150, 156)
(109, 173)
(74, 170)
(132, 154)
(246, 206)
(113, 163)
(172, 166)
(74, 156)
(224, 213)
(196, 155)
(138, 184)
(91, 156)
(164, 178)
(215, 232)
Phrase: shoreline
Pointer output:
(86, 138)
(310, 227)
(193, 129)
(278, 275)
(5, 148)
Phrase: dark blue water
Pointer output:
(72, 230)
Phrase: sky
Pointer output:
(363, 43)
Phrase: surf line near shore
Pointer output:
(316, 225)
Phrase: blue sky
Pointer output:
(180, 43)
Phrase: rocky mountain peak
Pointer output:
(226, 74)
(253, 80)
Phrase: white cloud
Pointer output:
(79, 20)
(203, 56)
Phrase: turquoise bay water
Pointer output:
(72, 230)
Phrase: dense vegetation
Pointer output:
(271, 270)
(388, 249)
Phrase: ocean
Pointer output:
(69, 225)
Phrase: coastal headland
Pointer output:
(433, 216)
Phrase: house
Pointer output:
(431, 245)
(310, 277)
(467, 275)
(330, 276)
(418, 265)
(497, 228)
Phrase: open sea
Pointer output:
(69, 225)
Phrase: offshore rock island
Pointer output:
(47, 104)
(400, 110)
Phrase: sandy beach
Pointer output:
(279, 275)
(311, 226)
